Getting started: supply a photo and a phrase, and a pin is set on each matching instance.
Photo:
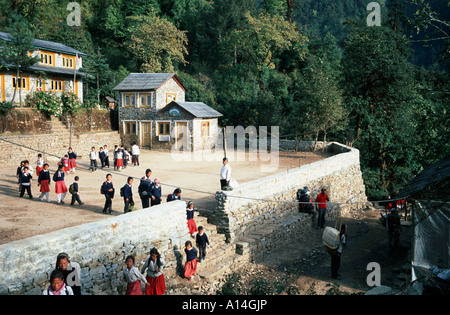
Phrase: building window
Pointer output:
(21, 83)
(68, 62)
(164, 128)
(205, 129)
(145, 100)
(130, 128)
(47, 59)
(56, 85)
(170, 97)
(129, 100)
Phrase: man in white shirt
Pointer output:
(225, 174)
(93, 159)
(135, 152)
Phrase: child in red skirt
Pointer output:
(155, 277)
(72, 160)
(39, 164)
(190, 268)
(190, 219)
(65, 162)
(60, 185)
(131, 276)
(44, 183)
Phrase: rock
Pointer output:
(381, 290)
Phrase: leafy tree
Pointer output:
(380, 97)
(157, 45)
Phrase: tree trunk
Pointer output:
(15, 89)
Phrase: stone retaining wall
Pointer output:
(54, 143)
(267, 200)
(100, 248)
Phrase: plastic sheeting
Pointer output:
(431, 239)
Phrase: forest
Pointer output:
(312, 67)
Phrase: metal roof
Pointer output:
(197, 109)
(432, 177)
(146, 81)
(47, 45)
(48, 69)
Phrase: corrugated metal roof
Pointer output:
(197, 109)
(437, 174)
(146, 81)
(44, 44)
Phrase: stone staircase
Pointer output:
(222, 258)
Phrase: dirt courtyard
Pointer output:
(21, 217)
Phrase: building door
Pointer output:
(182, 136)
(146, 128)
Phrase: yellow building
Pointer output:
(57, 71)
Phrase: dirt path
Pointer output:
(305, 265)
(21, 217)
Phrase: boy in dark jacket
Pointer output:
(155, 193)
(201, 241)
(108, 191)
(128, 195)
(25, 182)
(75, 193)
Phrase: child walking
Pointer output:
(128, 195)
(190, 267)
(60, 185)
(25, 182)
(39, 164)
(75, 193)
(105, 150)
(57, 285)
(72, 160)
(190, 219)
(108, 190)
(155, 193)
(155, 277)
(93, 159)
(131, 276)
(201, 241)
(44, 183)
(65, 162)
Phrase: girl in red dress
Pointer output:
(131, 276)
(155, 277)
(60, 185)
(190, 267)
(44, 183)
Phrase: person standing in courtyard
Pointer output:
(128, 195)
(321, 201)
(105, 150)
(107, 189)
(44, 183)
(72, 160)
(154, 265)
(73, 189)
(144, 188)
(25, 182)
(93, 160)
(155, 193)
(60, 184)
(135, 152)
(39, 164)
(225, 174)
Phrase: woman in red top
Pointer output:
(321, 200)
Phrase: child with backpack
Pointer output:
(107, 189)
(127, 194)
(176, 195)
(73, 189)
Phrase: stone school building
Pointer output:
(153, 113)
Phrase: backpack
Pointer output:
(122, 191)
(71, 189)
(101, 189)
(170, 197)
